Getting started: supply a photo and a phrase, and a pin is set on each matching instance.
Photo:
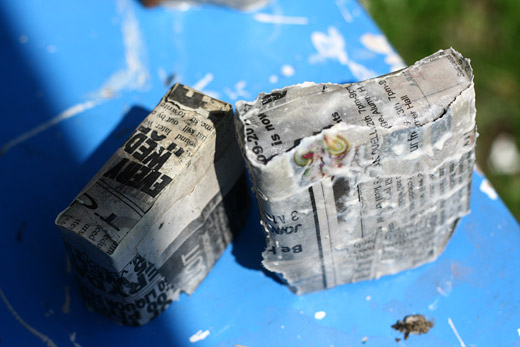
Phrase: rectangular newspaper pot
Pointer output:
(158, 215)
(361, 180)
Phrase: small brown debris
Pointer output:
(413, 324)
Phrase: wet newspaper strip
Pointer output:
(361, 180)
(158, 215)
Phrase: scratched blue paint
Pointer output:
(57, 54)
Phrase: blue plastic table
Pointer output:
(78, 76)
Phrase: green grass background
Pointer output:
(487, 32)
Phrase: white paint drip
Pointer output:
(66, 305)
(43, 337)
(203, 82)
(287, 70)
(342, 5)
(450, 322)
(486, 188)
(332, 46)
(135, 75)
(277, 19)
(68, 113)
(378, 43)
(199, 336)
(320, 315)
(73, 339)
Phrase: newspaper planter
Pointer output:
(361, 180)
(154, 219)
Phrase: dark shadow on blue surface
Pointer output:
(249, 243)
(116, 139)
(34, 187)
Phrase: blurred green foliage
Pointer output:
(487, 32)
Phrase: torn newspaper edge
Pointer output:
(243, 5)
(158, 215)
(361, 180)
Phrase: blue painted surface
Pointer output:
(58, 58)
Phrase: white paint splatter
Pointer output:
(342, 5)
(161, 72)
(273, 78)
(518, 331)
(203, 82)
(135, 75)
(364, 339)
(66, 305)
(72, 337)
(23, 39)
(368, 298)
(320, 315)
(238, 91)
(504, 156)
(445, 288)
(68, 113)
(361, 72)
(199, 336)
(278, 19)
(433, 305)
(487, 188)
(287, 70)
(332, 46)
(43, 337)
(378, 43)
(282, 326)
(450, 322)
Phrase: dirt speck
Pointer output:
(160, 226)
(413, 324)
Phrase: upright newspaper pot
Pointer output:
(158, 215)
(361, 180)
